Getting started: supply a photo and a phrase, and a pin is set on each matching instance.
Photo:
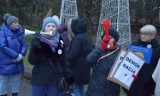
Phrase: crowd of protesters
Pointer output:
(65, 60)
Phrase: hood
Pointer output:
(78, 26)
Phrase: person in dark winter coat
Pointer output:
(46, 55)
(80, 46)
(144, 84)
(102, 59)
(13, 48)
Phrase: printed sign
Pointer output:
(130, 65)
(116, 64)
(144, 52)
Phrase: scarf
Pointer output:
(51, 41)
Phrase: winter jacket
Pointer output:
(63, 30)
(12, 43)
(98, 84)
(144, 84)
(80, 47)
(47, 67)
(156, 78)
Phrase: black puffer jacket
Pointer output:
(144, 85)
(44, 72)
(80, 46)
(99, 85)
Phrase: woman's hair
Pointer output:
(149, 29)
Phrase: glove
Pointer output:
(19, 58)
(36, 40)
(37, 34)
(104, 43)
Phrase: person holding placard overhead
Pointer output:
(102, 59)
(144, 85)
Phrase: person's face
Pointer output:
(146, 37)
(14, 25)
(51, 27)
(112, 41)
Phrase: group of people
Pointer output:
(63, 61)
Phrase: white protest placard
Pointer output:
(130, 65)
(116, 64)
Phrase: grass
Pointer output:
(28, 40)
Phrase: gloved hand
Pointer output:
(104, 43)
(37, 34)
(19, 58)
(36, 40)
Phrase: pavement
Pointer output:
(25, 86)
(27, 72)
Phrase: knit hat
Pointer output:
(5, 16)
(56, 18)
(11, 19)
(46, 21)
(113, 32)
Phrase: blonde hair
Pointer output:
(149, 29)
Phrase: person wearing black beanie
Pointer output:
(102, 59)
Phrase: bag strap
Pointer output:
(107, 54)
(50, 62)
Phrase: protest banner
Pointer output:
(116, 64)
(147, 52)
(128, 68)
